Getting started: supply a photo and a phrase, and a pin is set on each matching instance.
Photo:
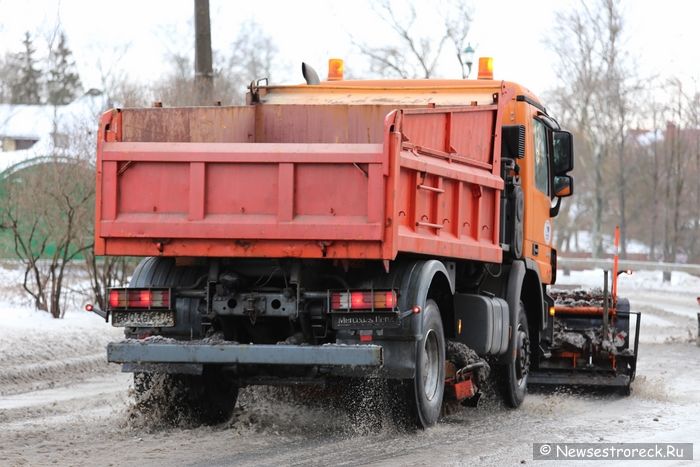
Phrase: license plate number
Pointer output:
(143, 319)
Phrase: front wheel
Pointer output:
(514, 375)
(429, 382)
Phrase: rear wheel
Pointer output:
(208, 398)
(626, 390)
(175, 399)
(514, 375)
(429, 382)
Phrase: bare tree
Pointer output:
(596, 97)
(693, 106)
(177, 88)
(677, 165)
(575, 42)
(46, 208)
(457, 24)
(415, 54)
(120, 90)
(667, 159)
(103, 272)
(654, 177)
(251, 56)
(619, 94)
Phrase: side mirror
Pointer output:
(563, 160)
(563, 186)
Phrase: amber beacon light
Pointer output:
(335, 69)
(485, 67)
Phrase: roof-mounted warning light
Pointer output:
(485, 68)
(335, 69)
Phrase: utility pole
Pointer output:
(203, 72)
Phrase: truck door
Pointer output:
(538, 225)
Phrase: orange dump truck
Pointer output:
(341, 229)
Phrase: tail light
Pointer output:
(364, 300)
(129, 298)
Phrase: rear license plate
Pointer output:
(143, 319)
(365, 320)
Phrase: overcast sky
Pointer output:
(665, 34)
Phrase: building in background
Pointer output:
(29, 132)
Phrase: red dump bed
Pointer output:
(307, 181)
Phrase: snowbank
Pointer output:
(638, 280)
(39, 351)
(17, 320)
(24, 328)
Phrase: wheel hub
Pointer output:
(522, 358)
(430, 365)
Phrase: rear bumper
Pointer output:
(332, 355)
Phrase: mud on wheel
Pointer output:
(184, 400)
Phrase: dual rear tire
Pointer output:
(207, 398)
(178, 399)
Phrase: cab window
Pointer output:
(541, 159)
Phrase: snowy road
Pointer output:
(83, 418)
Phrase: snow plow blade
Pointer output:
(230, 354)
(578, 379)
(591, 345)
